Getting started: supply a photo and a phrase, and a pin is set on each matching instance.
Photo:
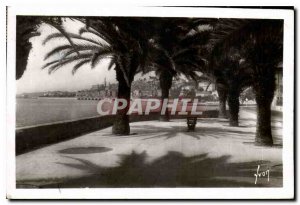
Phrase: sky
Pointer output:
(35, 79)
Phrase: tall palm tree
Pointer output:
(260, 45)
(125, 41)
(181, 39)
(222, 89)
(264, 51)
(233, 75)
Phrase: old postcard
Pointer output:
(150, 103)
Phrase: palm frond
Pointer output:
(163, 57)
(112, 62)
(59, 27)
(57, 50)
(68, 50)
(54, 65)
(104, 27)
(81, 48)
(79, 64)
(230, 32)
(99, 55)
(96, 33)
(89, 30)
(71, 36)
(197, 38)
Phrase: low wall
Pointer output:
(30, 138)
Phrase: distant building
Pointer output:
(203, 93)
(147, 88)
(97, 92)
(143, 88)
(206, 86)
(58, 94)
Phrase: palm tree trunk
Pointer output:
(234, 105)
(165, 80)
(263, 126)
(264, 93)
(223, 94)
(121, 123)
(165, 95)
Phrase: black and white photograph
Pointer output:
(150, 103)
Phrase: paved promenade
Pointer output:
(158, 154)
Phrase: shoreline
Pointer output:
(39, 97)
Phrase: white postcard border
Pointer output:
(286, 192)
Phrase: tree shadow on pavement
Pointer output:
(158, 132)
(171, 170)
(204, 129)
(200, 132)
(84, 150)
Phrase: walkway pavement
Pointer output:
(158, 154)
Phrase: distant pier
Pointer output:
(88, 98)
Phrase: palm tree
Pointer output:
(260, 45)
(233, 75)
(181, 40)
(263, 51)
(125, 41)
(222, 90)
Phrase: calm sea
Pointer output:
(47, 110)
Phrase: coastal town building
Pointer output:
(150, 88)
(98, 91)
